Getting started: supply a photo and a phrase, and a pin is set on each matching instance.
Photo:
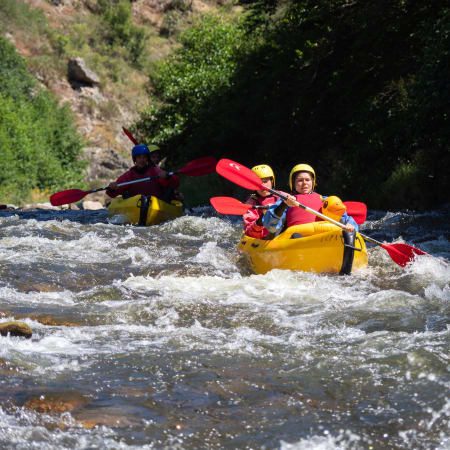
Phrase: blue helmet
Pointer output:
(140, 149)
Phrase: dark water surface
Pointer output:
(160, 337)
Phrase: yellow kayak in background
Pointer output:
(145, 211)
(313, 247)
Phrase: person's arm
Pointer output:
(113, 190)
(166, 180)
(275, 216)
(349, 220)
(253, 224)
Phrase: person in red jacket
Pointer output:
(146, 162)
(253, 217)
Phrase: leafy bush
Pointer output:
(189, 80)
(40, 146)
(119, 28)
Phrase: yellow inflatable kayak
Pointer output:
(313, 247)
(145, 211)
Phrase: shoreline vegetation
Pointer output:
(360, 91)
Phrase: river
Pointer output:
(161, 338)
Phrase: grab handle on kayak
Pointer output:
(351, 246)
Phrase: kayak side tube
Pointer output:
(313, 247)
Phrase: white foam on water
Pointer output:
(345, 440)
(14, 297)
(215, 256)
(429, 270)
(117, 219)
(209, 229)
(438, 423)
(435, 292)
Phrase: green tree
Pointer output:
(40, 146)
(357, 89)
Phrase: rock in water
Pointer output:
(15, 329)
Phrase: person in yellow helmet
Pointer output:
(261, 198)
(302, 182)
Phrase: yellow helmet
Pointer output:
(301, 168)
(153, 148)
(333, 208)
(264, 171)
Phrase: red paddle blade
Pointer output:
(402, 254)
(69, 196)
(357, 210)
(200, 166)
(239, 174)
(130, 136)
(229, 205)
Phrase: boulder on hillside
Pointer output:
(80, 75)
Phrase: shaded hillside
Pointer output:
(358, 89)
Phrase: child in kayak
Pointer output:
(146, 160)
(253, 226)
(284, 214)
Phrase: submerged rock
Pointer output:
(56, 403)
(15, 329)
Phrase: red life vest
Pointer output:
(298, 216)
(263, 201)
(151, 187)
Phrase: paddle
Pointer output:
(74, 195)
(401, 254)
(195, 168)
(130, 136)
(229, 205)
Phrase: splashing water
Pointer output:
(161, 337)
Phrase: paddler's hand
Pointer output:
(290, 201)
(349, 227)
(112, 186)
(163, 174)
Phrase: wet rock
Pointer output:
(38, 287)
(44, 320)
(79, 73)
(110, 417)
(15, 329)
(38, 206)
(47, 320)
(92, 205)
(71, 206)
(56, 403)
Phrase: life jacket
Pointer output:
(151, 187)
(255, 199)
(298, 215)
